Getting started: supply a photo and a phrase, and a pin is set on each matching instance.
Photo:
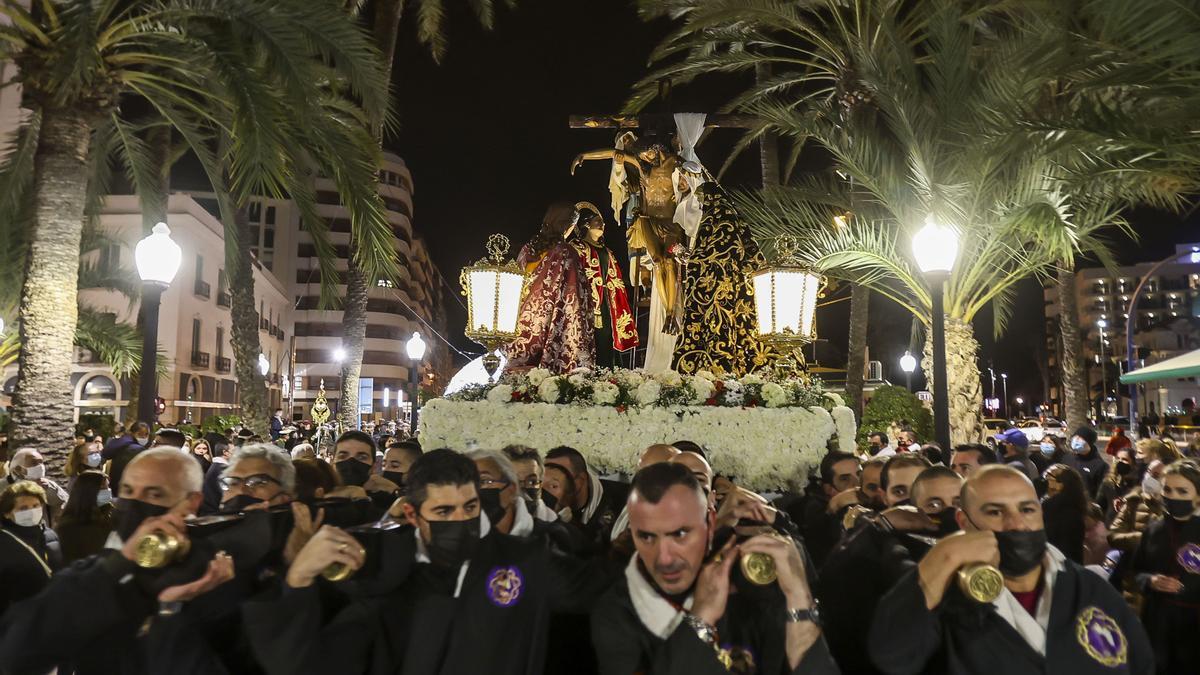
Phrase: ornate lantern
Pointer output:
(493, 288)
(785, 301)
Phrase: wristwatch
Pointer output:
(812, 614)
(704, 630)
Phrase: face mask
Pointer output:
(489, 501)
(1048, 449)
(946, 523)
(1020, 551)
(534, 494)
(239, 503)
(353, 472)
(452, 542)
(1078, 445)
(35, 472)
(550, 500)
(103, 497)
(28, 517)
(93, 459)
(130, 513)
(903, 502)
(396, 477)
(1151, 485)
(143, 441)
(1180, 509)
(1123, 468)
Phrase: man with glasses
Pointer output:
(258, 477)
(528, 464)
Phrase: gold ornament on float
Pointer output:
(493, 287)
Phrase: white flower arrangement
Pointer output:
(501, 393)
(774, 395)
(669, 378)
(605, 393)
(648, 393)
(703, 390)
(707, 375)
(537, 375)
(549, 390)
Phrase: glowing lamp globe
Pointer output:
(158, 256)
(264, 366)
(908, 363)
(415, 347)
(493, 287)
(935, 247)
(785, 299)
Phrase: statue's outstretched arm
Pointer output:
(605, 153)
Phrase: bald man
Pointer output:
(657, 454)
(701, 469)
(1052, 615)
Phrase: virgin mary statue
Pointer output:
(576, 312)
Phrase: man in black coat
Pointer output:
(595, 503)
(466, 598)
(121, 450)
(1087, 460)
(674, 613)
(823, 511)
(1051, 615)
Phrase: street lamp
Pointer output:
(339, 354)
(157, 258)
(908, 364)
(264, 366)
(416, 351)
(1004, 386)
(1102, 324)
(935, 247)
(1020, 404)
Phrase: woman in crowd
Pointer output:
(29, 551)
(1095, 539)
(1050, 451)
(87, 518)
(315, 479)
(1138, 510)
(1119, 482)
(1167, 565)
(1149, 449)
(202, 452)
(85, 457)
(1064, 510)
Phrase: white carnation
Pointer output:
(605, 393)
(581, 371)
(752, 378)
(707, 375)
(629, 378)
(647, 392)
(669, 378)
(548, 390)
(501, 393)
(735, 393)
(537, 376)
(836, 399)
(774, 395)
(578, 379)
(704, 390)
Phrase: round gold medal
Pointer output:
(758, 568)
(980, 582)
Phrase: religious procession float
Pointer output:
(571, 358)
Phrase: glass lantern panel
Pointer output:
(483, 300)
(510, 301)
(762, 301)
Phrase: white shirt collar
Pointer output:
(522, 521)
(595, 495)
(1033, 628)
(422, 555)
(656, 614)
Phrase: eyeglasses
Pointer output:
(494, 483)
(249, 482)
(532, 483)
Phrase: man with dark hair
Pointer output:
(691, 446)
(1087, 459)
(822, 518)
(1014, 451)
(222, 451)
(595, 503)
(675, 611)
(870, 488)
(530, 471)
(875, 555)
(464, 597)
(398, 461)
(354, 456)
(124, 448)
(172, 438)
(879, 447)
(971, 456)
(898, 475)
(1051, 615)
(276, 424)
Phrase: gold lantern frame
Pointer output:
(491, 337)
(786, 340)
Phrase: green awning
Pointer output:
(1185, 365)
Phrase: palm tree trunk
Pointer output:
(252, 387)
(962, 380)
(1075, 390)
(354, 323)
(43, 404)
(768, 143)
(860, 301)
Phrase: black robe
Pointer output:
(497, 625)
(1171, 548)
(963, 637)
(753, 626)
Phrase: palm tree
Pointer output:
(82, 62)
(929, 111)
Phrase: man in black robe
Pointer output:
(595, 503)
(1051, 616)
(467, 598)
(675, 611)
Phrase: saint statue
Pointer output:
(650, 172)
(575, 312)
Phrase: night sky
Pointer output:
(485, 135)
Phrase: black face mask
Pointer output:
(534, 494)
(353, 472)
(239, 503)
(452, 542)
(1181, 509)
(396, 477)
(1123, 469)
(1020, 551)
(946, 523)
(489, 501)
(130, 513)
(550, 500)
(903, 502)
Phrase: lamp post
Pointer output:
(908, 364)
(1102, 324)
(935, 247)
(416, 351)
(493, 288)
(1020, 405)
(157, 258)
(1004, 386)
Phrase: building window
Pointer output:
(99, 388)
(220, 342)
(270, 216)
(195, 336)
(254, 213)
(199, 268)
(110, 258)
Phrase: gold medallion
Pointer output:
(980, 582)
(758, 568)
(337, 572)
(159, 550)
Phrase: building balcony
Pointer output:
(224, 364)
(224, 300)
(202, 289)
(263, 324)
(200, 359)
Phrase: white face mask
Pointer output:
(103, 497)
(93, 459)
(143, 441)
(1152, 486)
(35, 472)
(28, 517)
